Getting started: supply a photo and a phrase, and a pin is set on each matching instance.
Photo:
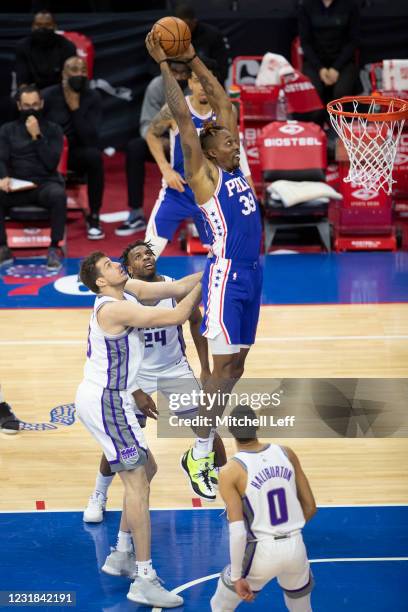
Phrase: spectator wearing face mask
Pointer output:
(77, 109)
(30, 150)
(40, 57)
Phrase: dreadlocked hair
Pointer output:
(125, 255)
(209, 129)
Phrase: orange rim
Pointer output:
(397, 115)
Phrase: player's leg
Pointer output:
(225, 599)
(164, 220)
(296, 579)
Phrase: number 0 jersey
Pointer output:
(271, 506)
(112, 361)
(233, 218)
(164, 347)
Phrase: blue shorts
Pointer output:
(232, 299)
(171, 208)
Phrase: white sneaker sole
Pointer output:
(111, 571)
(101, 237)
(156, 604)
(87, 519)
(130, 231)
(9, 432)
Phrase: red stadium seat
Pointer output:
(85, 48)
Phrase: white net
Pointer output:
(371, 145)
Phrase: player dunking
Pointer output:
(232, 280)
(268, 500)
(115, 351)
(176, 199)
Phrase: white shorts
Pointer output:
(110, 418)
(172, 383)
(264, 560)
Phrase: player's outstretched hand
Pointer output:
(174, 179)
(243, 589)
(145, 404)
(152, 42)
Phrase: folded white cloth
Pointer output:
(395, 75)
(296, 192)
(273, 66)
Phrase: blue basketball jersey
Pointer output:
(233, 218)
(176, 152)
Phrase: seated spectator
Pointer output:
(78, 110)
(40, 57)
(9, 423)
(329, 31)
(138, 152)
(207, 40)
(30, 149)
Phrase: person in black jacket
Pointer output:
(30, 149)
(208, 41)
(40, 57)
(77, 109)
(329, 31)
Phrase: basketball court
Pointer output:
(322, 316)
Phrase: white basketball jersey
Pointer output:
(164, 347)
(112, 361)
(271, 506)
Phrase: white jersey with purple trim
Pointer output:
(164, 347)
(271, 506)
(112, 360)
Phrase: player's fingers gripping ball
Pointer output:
(174, 35)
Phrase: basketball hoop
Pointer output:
(370, 128)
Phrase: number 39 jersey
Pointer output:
(233, 219)
(271, 506)
(163, 346)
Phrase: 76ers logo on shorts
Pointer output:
(129, 455)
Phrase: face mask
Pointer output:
(43, 37)
(78, 83)
(25, 114)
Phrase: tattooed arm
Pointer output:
(216, 94)
(196, 167)
(161, 124)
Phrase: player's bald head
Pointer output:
(75, 65)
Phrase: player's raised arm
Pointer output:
(216, 94)
(127, 314)
(161, 124)
(159, 291)
(196, 165)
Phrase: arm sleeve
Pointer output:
(86, 121)
(243, 161)
(23, 72)
(4, 153)
(49, 147)
(351, 43)
(237, 542)
(306, 37)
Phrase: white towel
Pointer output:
(296, 192)
(395, 75)
(273, 66)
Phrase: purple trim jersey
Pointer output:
(112, 361)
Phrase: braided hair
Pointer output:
(208, 131)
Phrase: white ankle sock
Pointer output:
(200, 449)
(124, 543)
(102, 483)
(144, 569)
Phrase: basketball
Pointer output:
(175, 35)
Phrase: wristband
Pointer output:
(191, 58)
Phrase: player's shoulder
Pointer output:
(233, 468)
